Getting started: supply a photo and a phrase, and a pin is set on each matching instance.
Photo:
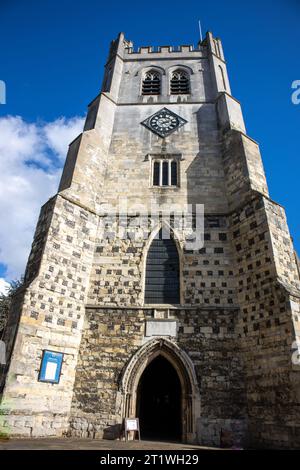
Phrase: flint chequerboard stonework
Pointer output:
(216, 325)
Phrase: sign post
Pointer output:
(132, 425)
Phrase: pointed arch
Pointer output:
(131, 375)
(176, 238)
(223, 81)
(162, 269)
(179, 82)
(151, 82)
(173, 67)
(142, 70)
(159, 400)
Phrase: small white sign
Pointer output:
(50, 370)
(132, 425)
(161, 328)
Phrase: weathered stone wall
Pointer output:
(109, 162)
(201, 88)
(197, 142)
(266, 274)
(51, 317)
(243, 168)
(86, 164)
(282, 246)
(118, 270)
(113, 335)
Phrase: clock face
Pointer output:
(164, 122)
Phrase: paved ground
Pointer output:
(92, 444)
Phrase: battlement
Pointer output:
(126, 49)
(165, 49)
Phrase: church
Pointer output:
(162, 282)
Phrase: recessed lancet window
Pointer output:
(156, 173)
(180, 83)
(165, 173)
(151, 83)
(162, 272)
(173, 173)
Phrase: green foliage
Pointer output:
(5, 301)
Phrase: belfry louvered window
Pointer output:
(180, 83)
(162, 272)
(151, 83)
(164, 172)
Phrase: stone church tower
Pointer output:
(196, 342)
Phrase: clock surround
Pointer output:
(163, 122)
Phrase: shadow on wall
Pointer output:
(112, 432)
(205, 174)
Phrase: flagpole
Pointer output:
(200, 30)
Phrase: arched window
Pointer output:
(222, 77)
(165, 173)
(156, 173)
(173, 173)
(162, 272)
(151, 83)
(107, 80)
(180, 83)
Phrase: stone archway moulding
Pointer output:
(183, 365)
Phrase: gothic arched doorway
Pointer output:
(159, 401)
(130, 384)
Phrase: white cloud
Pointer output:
(61, 132)
(3, 286)
(31, 157)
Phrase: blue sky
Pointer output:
(53, 52)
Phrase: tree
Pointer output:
(5, 302)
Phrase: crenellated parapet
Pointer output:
(184, 49)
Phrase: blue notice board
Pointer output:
(51, 367)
